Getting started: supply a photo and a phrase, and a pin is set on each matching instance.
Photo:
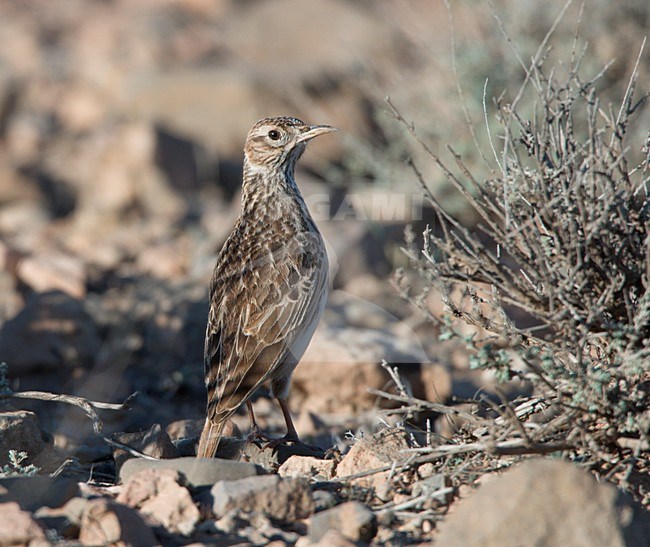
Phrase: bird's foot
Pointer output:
(287, 439)
(256, 436)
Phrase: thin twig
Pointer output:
(628, 90)
(424, 405)
(88, 407)
(413, 502)
(428, 454)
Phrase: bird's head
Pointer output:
(278, 142)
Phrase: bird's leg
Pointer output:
(292, 434)
(256, 433)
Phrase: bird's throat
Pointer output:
(275, 188)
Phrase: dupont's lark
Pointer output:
(269, 286)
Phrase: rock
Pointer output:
(17, 527)
(52, 332)
(187, 447)
(167, 260)
(37, 491)
(297, 54)
(182, 101)
(307, 466)
(353, 249)
(166, 324)
(429, 486)
(344, 357)
(184, 429)
(426, 470)
(23, 221)
(380, 450)
(545, 502)
(272, 458)
(368, 287)
(339, 386)
(152, 442)
(229, 448)
(309, 424)
(185, 436)
(160, 494)
(436, 382)
(353, 519)
(53, 271)
(332, 538)
(80, 109)
(105, 522)
(23, 138)
(323, 499)
(113, 169)
(254, 527)
(11, 302)
(281, 499)
(66, 519)
(19, 431)
(50, 459)
(197, 471)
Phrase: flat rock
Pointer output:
(545, 502)
(160, 494)
(352, 519)
(36, 491)
(19, 431)
(198, 471)
(17, 527)
(307, 466)
(272, 458)
(106, 522)
(281, 499)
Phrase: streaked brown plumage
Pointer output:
(269, 285)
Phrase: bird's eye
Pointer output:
(274, 134)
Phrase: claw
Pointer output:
(256, 436)
(275, 443)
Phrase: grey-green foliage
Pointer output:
(556, 278)
(16, 466)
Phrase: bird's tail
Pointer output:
(210, 437)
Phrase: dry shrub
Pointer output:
(558, 271)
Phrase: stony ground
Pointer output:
(376, 492)
(121, 129)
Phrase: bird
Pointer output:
(269, 285)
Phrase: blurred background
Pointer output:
(122, 125)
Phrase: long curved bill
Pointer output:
(315, 131)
